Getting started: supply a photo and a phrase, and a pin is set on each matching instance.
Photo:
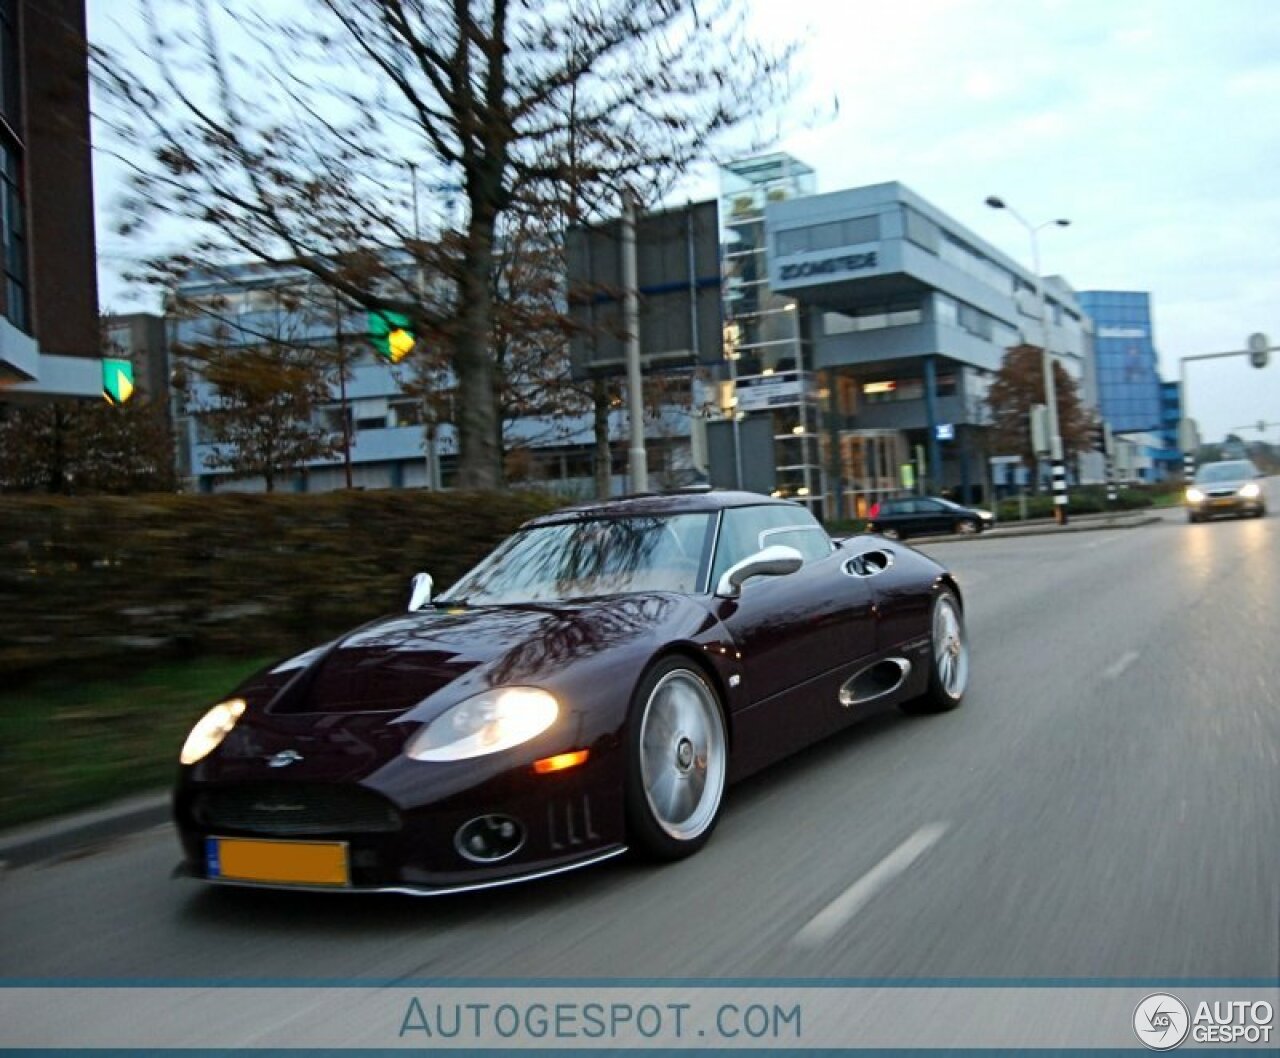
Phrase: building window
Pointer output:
(10, 98)
(872, 318)
(13, 233)
(851, 232)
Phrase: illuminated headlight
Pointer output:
(1194, 495)
(210, 730)
(986, 516)
(488, 723)
(1250, 490)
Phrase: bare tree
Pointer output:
(1016, 387)
(258, 381)
(288, 138)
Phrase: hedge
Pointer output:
(109, 578)
(1091, 499)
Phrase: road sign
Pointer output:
(1040, 429)
(1259, 349)
(1188, 435)
(945, 431)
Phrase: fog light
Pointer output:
(487, 839)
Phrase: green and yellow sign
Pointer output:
(117, 380)
(391, 335)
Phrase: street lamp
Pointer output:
(1059, 468)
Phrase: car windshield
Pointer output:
(1236, 471)
(585, 559)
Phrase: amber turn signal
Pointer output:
(560, 761)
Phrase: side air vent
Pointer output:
(875, 681)
(869, 563)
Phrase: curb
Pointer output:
(1042, 529)
(1051, 529)
(64, 834)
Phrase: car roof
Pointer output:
(651, 504)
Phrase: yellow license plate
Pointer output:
(277, 862)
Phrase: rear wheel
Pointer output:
(948, 658)
(677, 762)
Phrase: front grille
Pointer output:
(294, 808)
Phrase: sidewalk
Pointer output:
(63, 834)
(1079, 523)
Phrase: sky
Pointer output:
(1153, 125)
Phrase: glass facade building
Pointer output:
(1129, 395)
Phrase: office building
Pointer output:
(906, 316)
(49, 343)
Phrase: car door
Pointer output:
(932, 516)
(895, 514)
(799, 635)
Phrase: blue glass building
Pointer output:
(1129, 395)
(1170, 455)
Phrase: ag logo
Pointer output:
(1161, 1021)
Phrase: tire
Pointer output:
(677, 761)
(890, 533)
(968, 527)
(1193, 517)
(948, 658)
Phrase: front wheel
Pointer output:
(967, 527)
(678, 760)
(948, 658)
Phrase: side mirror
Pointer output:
(775, 561)
(420, 591)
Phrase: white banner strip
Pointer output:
(566, 1017)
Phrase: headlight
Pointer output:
(210, 730)
(488, 723)
(1250, 490)
(1194, 495)
(986, 516)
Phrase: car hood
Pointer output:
(421, 663)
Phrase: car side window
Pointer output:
(746, 530)
(928, 506)
(810, 540)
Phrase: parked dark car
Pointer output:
(1232, 486)
(921, 515)
(592, 685)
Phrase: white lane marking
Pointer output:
(833, 918)
(1117, 667)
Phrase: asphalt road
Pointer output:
(1105, 804)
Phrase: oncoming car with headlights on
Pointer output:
(593, 685)
(1233, 486)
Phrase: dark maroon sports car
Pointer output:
(593, 685)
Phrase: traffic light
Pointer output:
(1259, 350)
(391, 335)
(117, 380)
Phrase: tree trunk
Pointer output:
(604, 455)
(479, 447)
